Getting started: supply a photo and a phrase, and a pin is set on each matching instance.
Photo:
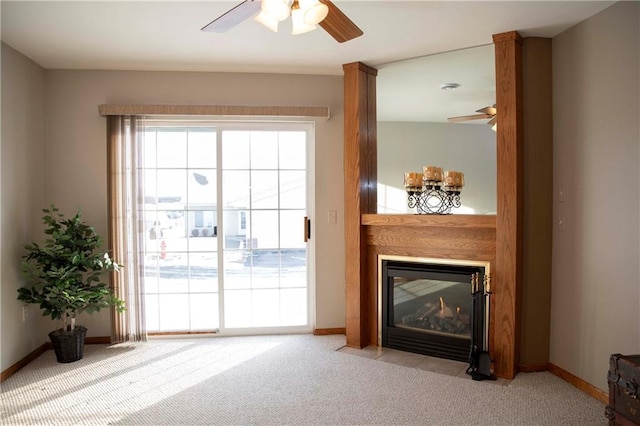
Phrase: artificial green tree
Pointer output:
(65, 273)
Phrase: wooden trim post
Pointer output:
(360, 193)
(510, 136)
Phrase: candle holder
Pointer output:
(436, 195)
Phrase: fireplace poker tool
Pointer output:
(473, 352)
(479, 358)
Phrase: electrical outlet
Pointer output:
(24, 313)
(562, 194)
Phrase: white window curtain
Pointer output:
(126, 239)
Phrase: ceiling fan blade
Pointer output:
(338, 25)
(492, 121)
(468, 117)
(488, 110)
(233, 17)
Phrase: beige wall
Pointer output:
(595, 307)
(76, 134)
(22, 196)
(74, 173)
(407, 146)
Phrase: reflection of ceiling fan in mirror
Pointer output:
(305, 16)
(486, 112)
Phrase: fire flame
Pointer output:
(445, 311)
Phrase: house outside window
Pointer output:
(243, 221)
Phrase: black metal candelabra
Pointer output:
(434, 199)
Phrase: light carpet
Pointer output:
(285, 379)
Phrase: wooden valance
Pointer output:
(215, 110)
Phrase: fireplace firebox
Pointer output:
(432, 307)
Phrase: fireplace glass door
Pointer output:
(429, 309)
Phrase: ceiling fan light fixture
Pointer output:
(297, 21)
(314, 11)
(267, 20)
(271, 12)
(277, 9)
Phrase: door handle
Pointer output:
(307, 229)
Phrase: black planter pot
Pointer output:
(68, 345)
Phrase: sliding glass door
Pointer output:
(264, 205)
(225, 207)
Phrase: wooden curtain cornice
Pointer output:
(215, 110)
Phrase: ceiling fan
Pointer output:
(305, 15)
(486, 112)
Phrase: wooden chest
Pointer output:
(624, 395)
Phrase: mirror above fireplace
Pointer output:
(413, 127)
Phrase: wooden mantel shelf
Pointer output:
(419, 220)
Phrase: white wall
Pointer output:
(407, 146)
(22, 197)
(76, 135)
(595, 309)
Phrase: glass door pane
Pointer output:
(180, 205)
(264, 203)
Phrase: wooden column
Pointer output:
(360, 189)
(507, 275)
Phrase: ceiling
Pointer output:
(410, 90)
(166, 35)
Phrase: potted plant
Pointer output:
(64, 278)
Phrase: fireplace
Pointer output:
(428, 306)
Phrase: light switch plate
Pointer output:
(332, 217)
